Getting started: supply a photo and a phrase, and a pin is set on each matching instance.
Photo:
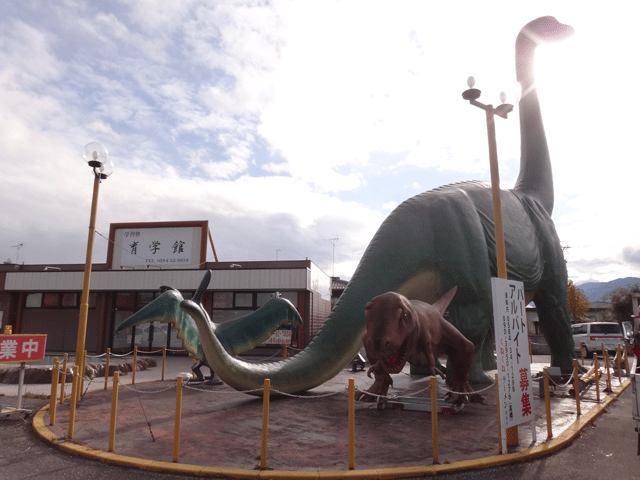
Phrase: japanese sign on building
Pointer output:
(22, 348)
(512, 351)
(167, 246)
(280, 337)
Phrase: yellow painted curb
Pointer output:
(548, 447)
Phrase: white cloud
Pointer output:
(335, 102)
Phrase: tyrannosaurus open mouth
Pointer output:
(396, 361)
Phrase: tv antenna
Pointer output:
(18, 247)
(333, 242)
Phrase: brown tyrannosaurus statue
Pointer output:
(401, 330)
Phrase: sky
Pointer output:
(295, 127)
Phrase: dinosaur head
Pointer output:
(390, 330)
(162, 309)
(538, 31)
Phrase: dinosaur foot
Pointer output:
(464, 393)
(379, 388)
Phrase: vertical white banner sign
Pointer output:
(512, 351)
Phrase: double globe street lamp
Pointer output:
(472, 95)
(97, 157)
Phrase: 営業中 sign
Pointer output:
(22, 348)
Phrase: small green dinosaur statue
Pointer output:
(236, 336)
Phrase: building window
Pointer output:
(58, 300)
(69, 300)
(34, 300)
(243, 300)
(50, 300)
(222, 300)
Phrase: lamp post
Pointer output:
(472, 94)
(97, 156)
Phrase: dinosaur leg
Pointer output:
(473, 319)
(381, 384)
(196, 369)
(554, 321)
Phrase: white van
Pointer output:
(593, 335)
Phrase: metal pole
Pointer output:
(114, 411)
(501, 258)
(106, 368)
(434, 420)
(576, 385)
(265, 423)
(135, 363)
(547, 403)
(164, 359)
(84, 302)
(21, 384)
(176, 429)
(54, 391)
(352, 424)
(63, 377)
(72, 404)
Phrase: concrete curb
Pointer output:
(551, 446)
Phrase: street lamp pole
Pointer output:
(97, 156)
(472, 94)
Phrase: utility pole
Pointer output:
(333, 242)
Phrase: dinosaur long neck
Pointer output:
(535, 178)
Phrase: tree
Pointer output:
(578, 303)
(621, 302)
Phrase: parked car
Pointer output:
(594, 335)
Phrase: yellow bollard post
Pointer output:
(164, 360)
(135, 363)
(54, 391)
(597, 376)
(176, 429)
(74, 399)
(576, 385)
(63, 376)
(582, 352)
(352, 424)
(114, 411)
(499, 421)
(618, 362)
(77, 363)
(607, 366)
(106, 368)
(626, 361)
(82, 370)
(284, 355)
(434, 420)
(547, 403)
(265, 423)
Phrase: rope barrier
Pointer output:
(266, 390)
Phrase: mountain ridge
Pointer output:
(598, 291)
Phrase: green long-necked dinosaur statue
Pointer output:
(435, 241)
(235, 336)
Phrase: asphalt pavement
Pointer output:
(605, 448)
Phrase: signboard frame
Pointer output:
(515, 388)
(39, 340)
(178, 245)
